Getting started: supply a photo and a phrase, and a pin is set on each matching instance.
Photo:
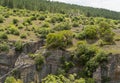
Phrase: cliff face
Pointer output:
(110, 72)
(13, 60)
(22, 66)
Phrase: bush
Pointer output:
(89, 32)
(75, 24)
(13, 30)
(4, 47)
(46, 25)
(23, 36)
(59, 40)
(67, 66)
(3, 36)
(15, 21)
(1, 19)
(6, 15)
(90, 80)
(43, 32)
(62, 26)
(42, 17)
(39, 60)
(62, 79)
(106, 33)
(20, 26)
(33, 18)
(57, 18)
(18, 46)
(11, 79)
(27, 22)
(89, 57)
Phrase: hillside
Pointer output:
(57, 7)
(56, 45)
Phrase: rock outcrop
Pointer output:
(23, 67)
(110, 72)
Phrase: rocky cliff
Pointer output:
(22, 66)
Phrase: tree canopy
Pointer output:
(57, 7)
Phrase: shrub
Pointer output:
(11, 79)
(4, 47)
(90, 80)
(57, 18)
(67, 66)
(89, 57)
(13, 30)
(105, 31)
(89, 32)
(42, 17)
(20, 26)
(62, 79)
(44, 32)
(27, 22)
(18, 46)
(75, 24)
(46, 25)
(6, 15)
(62, 26)
(3, 36)
(59, 40)
(33, 18)
(15, 21)
(94, 62)
(1, 19)
(23, 36)
(39, 60)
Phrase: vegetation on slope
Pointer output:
(56, 7)
(60, 31)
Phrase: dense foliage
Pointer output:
(63, 30)
(12, 80)
(44, 5)
(59, 40)
(62, 79)
(89, 57)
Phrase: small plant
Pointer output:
(23, 36)
(27, 22)
(1, 19)
(39, 60)
(4, 47)
(6, 15)
(44, 32)
(3, 36)
(18, 46)
(62, 26)
(75, 24)
(20, 26)
(11, 79)
(46, 25)
(41, 17)
(33, 18)
(15, 21)
(13, 30)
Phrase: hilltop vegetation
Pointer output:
(88, 39)
(57, 7)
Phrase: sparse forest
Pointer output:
(57, 7)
